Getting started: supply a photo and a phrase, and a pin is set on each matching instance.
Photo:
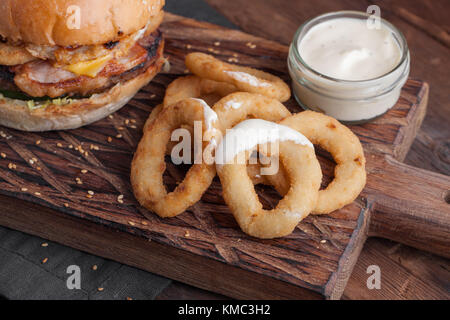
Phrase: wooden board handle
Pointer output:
(413, 208)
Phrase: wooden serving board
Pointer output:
(204, 247)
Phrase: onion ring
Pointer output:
(297, 155)
(191, 87)
(347, 151)
(240, 106)
(195, 87)
(244, 78)
(149, 165)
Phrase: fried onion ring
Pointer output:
(346, 149)
(296, 154)
(191, 87)
(149, 164)
(240, 106)
(195, 87)
(244, 78)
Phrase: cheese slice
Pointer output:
(89, 68)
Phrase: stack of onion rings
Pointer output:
(238, 94)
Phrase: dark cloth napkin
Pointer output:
(34, 268)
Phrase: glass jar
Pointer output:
(351, 102)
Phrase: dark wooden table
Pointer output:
(406, 273)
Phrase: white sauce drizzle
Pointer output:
(233, 105)
(251, 133)
(247, 78)
(208, 113)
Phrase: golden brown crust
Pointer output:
(16, 114)
(54, 22)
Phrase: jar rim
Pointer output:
(357, 14)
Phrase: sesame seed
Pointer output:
(84, 171)
(45, 260)
(187, 234)
(111, 116)
(38, 142)
(38, 168)
(89, 196)
(100, 289)
(133, 121)
(59, 145)
(45, 244)
(119, 136)
(91, 192)
(3, 155)
(12, 166)
(94, 267)
(133, 127)
(129, 299)
(323, 241)
(109, 139)
(127, 121)
(217, 43)
(37, 194)
(121, 128)
(188, 46)
(145, 223)
(131, 223)
(210, 49)
(70, 146)
(24, 189)
(120, 198)
(66, 205)
(31, 161)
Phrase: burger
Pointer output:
(67, 63)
